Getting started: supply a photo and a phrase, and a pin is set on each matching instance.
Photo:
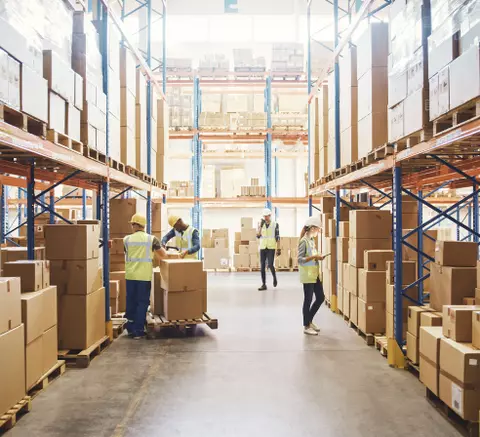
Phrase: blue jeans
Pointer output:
(138, 299)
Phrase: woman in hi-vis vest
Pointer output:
(309, 269)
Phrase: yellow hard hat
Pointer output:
(173, 219)
(139, 219)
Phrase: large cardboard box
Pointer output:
(429, 351)
(34, 275)
(372, 48)
(462, 91)
(429, 374)
(358, 246)
(343, 229)
(376, 260)
(33, 361)
(248, 234)
(371, 286)
(216, 258)
(449, 285)
(121, 211)
(431, 319)
(76, 276)
(412, 348)
(246, 223)
(371, 317)
(180, 305)
(353, 280)
(72, 242)
(390, 327)
(409, 272)
(12, 363)
(411, 292)
(157, 304)
(457, 322)
(414, 318)
(353, 309)
(456, 253)
(122, 291)
(10, 304)
(371, 224)
(342, 249)
(81, 320)
(476, 329)
(50, 348)
(327, 204)
(39, 312)
(183, 275)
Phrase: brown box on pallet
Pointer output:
(39, 312)
(459, 375)
(114, 293)
(122, 291)
(409, 272)
(81, 320)
(33, 361)
(342, 249)
(412, 348)
(358, 246)
(371, 317)
(80, 277)
(431, 319)
(82, 241)
(353, 280)
(34, 275)
(327, 204)
(429, 351)
(50, 348)
(370, 224)
(411, 292)
(183, 275)
(343, 229)
(457, 322)
(10, 304)
(449, 285)
(390, 329)
(10, 254)
(180, 305)
(371, 286)
(476, 329)
(414, 318)
(121, 211)
(376, 260)
(354, 309)
(12, 363)
(456, 253)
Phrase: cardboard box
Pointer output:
(216, 258)
(357, 247)
(180, 305)
(353, 309)
(81, 320)
(431, 319)
(77, 276)
(457, 322)
(33, 361)
(409, 272)
(246, 223)
(219, 233)
(122, 292)
(353, 280)
(462, 91)
(39, 312)
(121, 211)
(346, 303)
(244, 249)
(220, 243)
(429, 374)
(342, 249)
(114, 292)
(10, 254)
(372, 48)
(12, 363)
(430, 337)
(157, 304)
(390, 328)
(456, 253)
(183, 275)
(83, 241)
(476, 329)
(343, 229)
(371, 286)
(50, 349)
(253, 248)
(376, 260)
(248, 234)
(412, 348)
(412, 292)
(449, 285)
(469, 301)
(33, 274)
(371, 317)
(10, 304)
(327, 204)
(241, 261)
(414, 320)
(371, 224)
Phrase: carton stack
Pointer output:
(321, 133)
(407, 69)
(372, 75)
(183, 290)
(368, 230)
(246, 246)
(39, 315)
(141, 121)
(287, 57)
(76, 272)
(419, 316)
(121, 211)
(337, 249)
(180, 108)
(128, 89)
(288, 258)
(180, 189)
(160, 145)
(12, 344)
(253, 190)
(216, 249)
(343, 268)
(328, 275)
(11, 254)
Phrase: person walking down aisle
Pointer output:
(186, 237)
(140, 248)
(310, 274)
(269, 236)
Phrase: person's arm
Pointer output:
(259, 228)
(168, 237)
(195, 243)
(277, 233)
(302, 252)
(159, 252)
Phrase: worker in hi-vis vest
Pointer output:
(268, 234)
(187, 240)
(140, 248)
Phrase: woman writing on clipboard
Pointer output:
(308, 259)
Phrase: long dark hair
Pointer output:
(302, 233)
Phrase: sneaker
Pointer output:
(310, 331)
(314, 327)
(262, 288)
(139, 335)
(275, 283)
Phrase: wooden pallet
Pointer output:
(346, 318)
(133, 172)
(413, 139)
(243, 269)
(9, 419)
(156, 323)
(466, 427)
(456, 117)
(23, 121)
(96, 155)
(369, 338)
(118, 326)
(414, 369)
(82, 359)
(55, 372)
(64, 140)
(380, 153)
(381, 344)
(228, 270)
(116, 165)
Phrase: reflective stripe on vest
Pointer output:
(267, 236)
(309, 272)
(184, 241)
(138, 257)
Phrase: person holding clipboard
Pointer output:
(308, 259)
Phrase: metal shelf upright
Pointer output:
(268, 142)
(197, 155)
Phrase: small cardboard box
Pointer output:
(220, 233)
(327, 204)
(414, 313)
(34, 275)
(39, 312)
(220, 243)
(183, 275)
(83, 241)
(10, 304)
(370, 224)
(371, 286)
(181, 305)
(358, 246)
(244, 249)
(412, 348)
(431, 319)
(456, 253)
(241, 261)
(122, 292)
(216, 258)
(376, 260)
(247, 234)
(77, 276)
(457, 322)
(246, 223)
(409, 272)
(371, 317)
(476, 329)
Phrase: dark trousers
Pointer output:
(138, 299)
(310, 310)
(267, 256)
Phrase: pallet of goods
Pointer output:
(216, 249)
(246, 248)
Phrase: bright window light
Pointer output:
(230, 28)
(184, 28)
(274, 28)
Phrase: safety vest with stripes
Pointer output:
(184, 241)
(309, 272)
(267, 236)
(138, 256)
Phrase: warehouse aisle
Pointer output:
(258, 375)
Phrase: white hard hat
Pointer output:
(266, 212)
(313, 221)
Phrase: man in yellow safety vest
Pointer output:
(186, 237)
(268, 234)
(140, 248)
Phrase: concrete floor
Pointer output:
(257, 375)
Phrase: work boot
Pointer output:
(275, 283)
(262, 288)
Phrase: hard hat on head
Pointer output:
(266, 212)
(173, 219)
(138, 219)
(313, 221)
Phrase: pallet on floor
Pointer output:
(9, 419)
(227, 270)
(23, 121)
(243, 269)
(82, 359)
(118, 326)
(466, 427)
(156, 323)
(64, 140)
(457, 116)
(414, 369)
(369, 338)
(55, 372)
(381, 344)
(413, 139)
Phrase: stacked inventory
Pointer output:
(160, 142)
(214, 120)
(244, 61)
(216, 249)
(372, 75)
(213, 64)
(180, 109)
(288, 257)
(246, 248)
(247, 121)
(330, 151)
(327, 246)
(128, 91)
(180, 189)
(407, 69)
(76, 272)
(209, 182)
(253, 190)
(320, 158)
(419, 316)
(183, 290)
(287, 58)
(179, 65)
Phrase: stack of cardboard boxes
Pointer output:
(75, 270)
(216, 249)
(180, 189)
(161, 140)
(128, 90)
(253, 190)
(288, 258)
(246, 246)
(325, 246)
(320, 148)
(287, 57)
(39, 315)
(11, 254)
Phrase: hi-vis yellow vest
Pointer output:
(184, 241)
(309, 272)
(139, 256)
(267, 236)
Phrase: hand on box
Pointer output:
(184, 254)
(279, 252)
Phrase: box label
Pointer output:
(457, 398)
(472, 362)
